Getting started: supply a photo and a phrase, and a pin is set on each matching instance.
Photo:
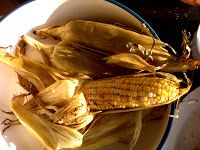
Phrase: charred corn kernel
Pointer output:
(132, 92)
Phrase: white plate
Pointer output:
(39, 14)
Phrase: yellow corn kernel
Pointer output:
(126, 92)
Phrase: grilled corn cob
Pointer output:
(133, 91)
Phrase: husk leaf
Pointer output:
(131, 61)
(21, 67)
(38, 74)
(108, 129)
(109, 38)
(52, 136)
(68, 58)
(71, 106)
(59, 92)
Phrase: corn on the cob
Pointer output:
(132, 92)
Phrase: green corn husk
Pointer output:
(121, 128)
(52, 136)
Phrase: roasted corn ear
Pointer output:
(74, 60)
(133, 91)
(109, 38)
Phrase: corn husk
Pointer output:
(38, 74)
(58, 93)
(71, 59)
(123, 128)
(69, 104)
(52, 136)
(182, 65)
(109, 38)
(131, 61)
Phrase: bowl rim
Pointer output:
(132, 12)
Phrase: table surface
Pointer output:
(168, 18)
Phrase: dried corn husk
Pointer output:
(72, 115)
(108, 129)
(53, 136)
(182, 65)
(134, 61)
(131, 61)
(18, 65)
(69, 105)
(109, 38)
(38, 74)
(59, 92)
(75, 113)
(68, 58)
